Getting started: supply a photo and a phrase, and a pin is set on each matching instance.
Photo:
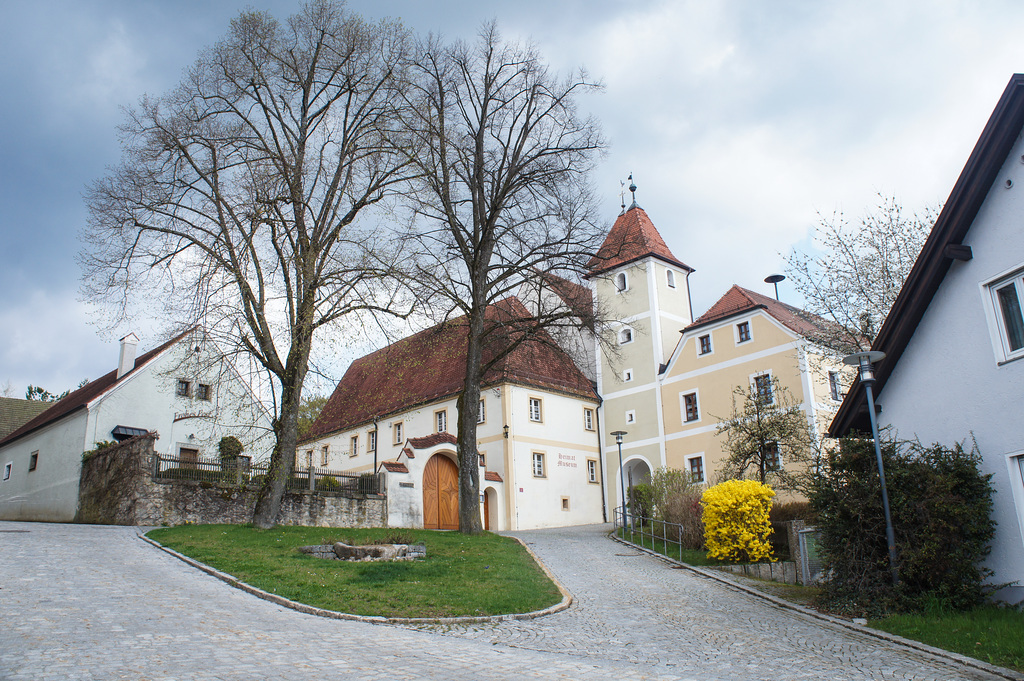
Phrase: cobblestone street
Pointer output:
(94, 602)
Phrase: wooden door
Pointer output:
(487, 511)
(441, 494)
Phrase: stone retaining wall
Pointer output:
(117, 488)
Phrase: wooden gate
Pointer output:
(441, 494)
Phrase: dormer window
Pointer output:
(621, 282)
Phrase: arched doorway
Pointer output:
(441, 494)
(490, 509)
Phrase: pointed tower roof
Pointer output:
(632, 237)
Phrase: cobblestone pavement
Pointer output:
(93, 602)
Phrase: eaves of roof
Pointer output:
(955, 220)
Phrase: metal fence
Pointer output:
(243, 473)
(810, 559)
(658, 535)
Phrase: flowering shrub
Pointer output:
(736, 521)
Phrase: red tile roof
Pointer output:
(578, 298)
(408, 452)
(738, 300)
(87, 393)
(632, 237)
(492, 476)
(431, 440)
(395, 467)
(430, 366)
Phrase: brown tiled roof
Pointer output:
(87, 393)
(738, 300)
(492, 476)
(395, 467)
(578, 298)
(15, 413)
(633, 236)
(431, 440)
(408, 452)
(430, 366)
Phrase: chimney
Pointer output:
(127, 361)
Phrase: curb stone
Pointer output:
(372, 619)
(874, 633)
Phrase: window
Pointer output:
(743, 332)
(621, 282)
(481, 412)
(483, 459)
(696, 465)
(690, 410)
(1006, 297)
(536, 414)
(323, 455)
(833, 386)
(627, 375)
(565, 503)
(353, 448)
(770, 455)
(670, 278)
(631, 416)
(7, 470)
(441, 421)
(398, 433)
(592, 470)
(371, 441)
(202, 392)
(625, 336)
(309, 458)
(588, 419)
(183, 388)
(33, 461)
(763, 388)
(538, 465)
(705, 344)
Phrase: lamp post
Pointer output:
(865, 362)
(622, 479)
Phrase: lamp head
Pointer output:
(618, 436)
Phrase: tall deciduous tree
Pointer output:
(766, 430)
(239, 190)
(502, 203)
(859, 272)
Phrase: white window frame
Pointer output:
(626, 335)
(592, 472)
(703, 467)
(771, 384)
(536, 405)
(994, 314)
(736, 331)
(711, 345)
(627, 375)
(835, 386)
(371, 440)
(538, 465)
(1015, 467)
(325, 453)
(682, 406)
(353, 445)
(625, 282)
(441, 421)
(396, 432)
(481, 412)
(33, 461)
(631, 416)
(778, 455)
(8, 469)
(670, 278)
(588, 418)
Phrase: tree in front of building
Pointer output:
(766, 431)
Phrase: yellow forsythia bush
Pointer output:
(736, 523)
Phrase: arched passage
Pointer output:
(441, 494)
(490, 509)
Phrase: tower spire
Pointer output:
(632, 190)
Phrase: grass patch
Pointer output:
(990, 633)
(462, 575)
(669, 549)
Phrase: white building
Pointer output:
(395, 410)
(179, 389)
(954, 339)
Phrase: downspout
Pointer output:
(689, 300)
(600, 461)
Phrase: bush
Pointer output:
(640, 501)
(941, 512)
(736, 523)
(781, 515)
(682, 507)
(230, 448)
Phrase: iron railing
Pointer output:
(658, 535)
(243, 473)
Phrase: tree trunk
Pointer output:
(467, 405)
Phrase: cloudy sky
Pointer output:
(741, 122)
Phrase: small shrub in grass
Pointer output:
(736, 521)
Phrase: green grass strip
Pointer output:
(665, 548)
(461, 576)
(990, 633)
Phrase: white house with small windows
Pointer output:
(395, 411)
(954, 339)
(183, 390)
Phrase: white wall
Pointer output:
(948, 385)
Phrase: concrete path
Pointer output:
(89, 602)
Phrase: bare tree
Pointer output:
(859, 273)
(238, 192)
(766, 431)
(503, 204)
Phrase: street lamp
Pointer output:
(622, 480)
(865, 361)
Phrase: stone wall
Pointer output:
(117, 488)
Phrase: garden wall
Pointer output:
(117, 488)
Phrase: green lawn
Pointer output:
(989, 633)
(462, 575)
